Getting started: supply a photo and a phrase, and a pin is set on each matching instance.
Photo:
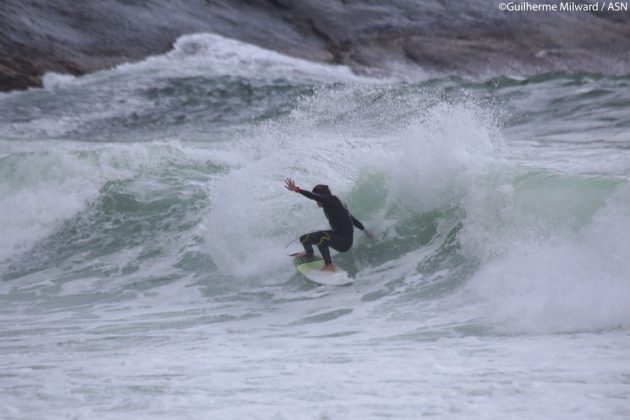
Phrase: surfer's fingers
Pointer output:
(290, 184)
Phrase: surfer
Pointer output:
(341, 221)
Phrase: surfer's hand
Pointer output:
(369, 234)
(290, 185)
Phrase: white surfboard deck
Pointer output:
(312, 270)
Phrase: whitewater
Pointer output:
(144, 226)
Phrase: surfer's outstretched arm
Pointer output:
(290, 185)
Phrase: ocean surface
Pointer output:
(145, 229)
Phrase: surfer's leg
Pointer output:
(307, 243)
(325, 251)
(323, 239)
(331, 240)
(319, 238)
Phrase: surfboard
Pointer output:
(312, 270)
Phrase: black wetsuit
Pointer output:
(341, 222)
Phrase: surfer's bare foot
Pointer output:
(329, 268)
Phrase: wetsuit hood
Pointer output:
(321, 189)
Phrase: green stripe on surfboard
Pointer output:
(309, 266)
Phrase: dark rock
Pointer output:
(471, 38)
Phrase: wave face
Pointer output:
(145, 231)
